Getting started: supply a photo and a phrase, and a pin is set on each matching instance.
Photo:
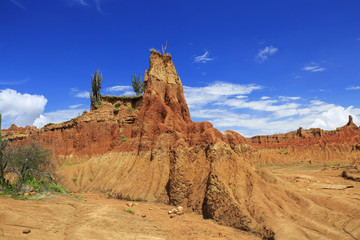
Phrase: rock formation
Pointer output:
(157, 153)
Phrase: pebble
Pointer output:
(26, 231)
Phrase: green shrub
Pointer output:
(130, 108)
(28, 162)
(129, 210)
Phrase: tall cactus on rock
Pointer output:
(137, 84)
(95, 96)
(3, 164)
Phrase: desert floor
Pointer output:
(97, 217)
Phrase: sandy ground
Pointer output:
(97, 217)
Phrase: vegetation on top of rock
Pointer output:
(137, 84)
(95, 96)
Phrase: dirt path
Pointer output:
(96, 217)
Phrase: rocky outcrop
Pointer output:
(162, 155)
(341, 138)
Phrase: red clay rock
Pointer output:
(170, 159)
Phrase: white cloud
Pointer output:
(82, 94)
(353, 88)
(75, 106)
(233, 107)
(20, 109)
(203, 58)
(314, 68)
(286, 99)
(118, 88)
(196, 96)
(78, 93)
(265, 53)
(57, 116)
(121, 90)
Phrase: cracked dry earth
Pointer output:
(96, 217)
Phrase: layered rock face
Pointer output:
(160, 154)
(342, 138)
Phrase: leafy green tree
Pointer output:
(95, 97)
(137, 84)
(3, 162)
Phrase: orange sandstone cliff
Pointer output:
(150, 149)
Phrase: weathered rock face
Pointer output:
(341, 138)
(162, 155)
(90, 134)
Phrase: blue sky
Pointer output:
(256, 67)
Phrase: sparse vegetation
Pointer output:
(129, 210)
(3, 163)
(137, 84)
(116, 108)
(95, 97)
(130, 108)
(68, 163)
(123, 138)
(29, 167)
(74, 179)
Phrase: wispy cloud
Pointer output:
(98, 6)
(79, 93)
(265, 53)
(18, 4)
(122, 90)
(82, 2)
(75, 106)
(203, 58)
(118, 88)
(353, 88)
(14, 82)
(286, 99)
(314, 68)
(96, 3)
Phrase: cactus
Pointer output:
(95, 96)
(3, 164)
(137, 84)
(164, 49)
